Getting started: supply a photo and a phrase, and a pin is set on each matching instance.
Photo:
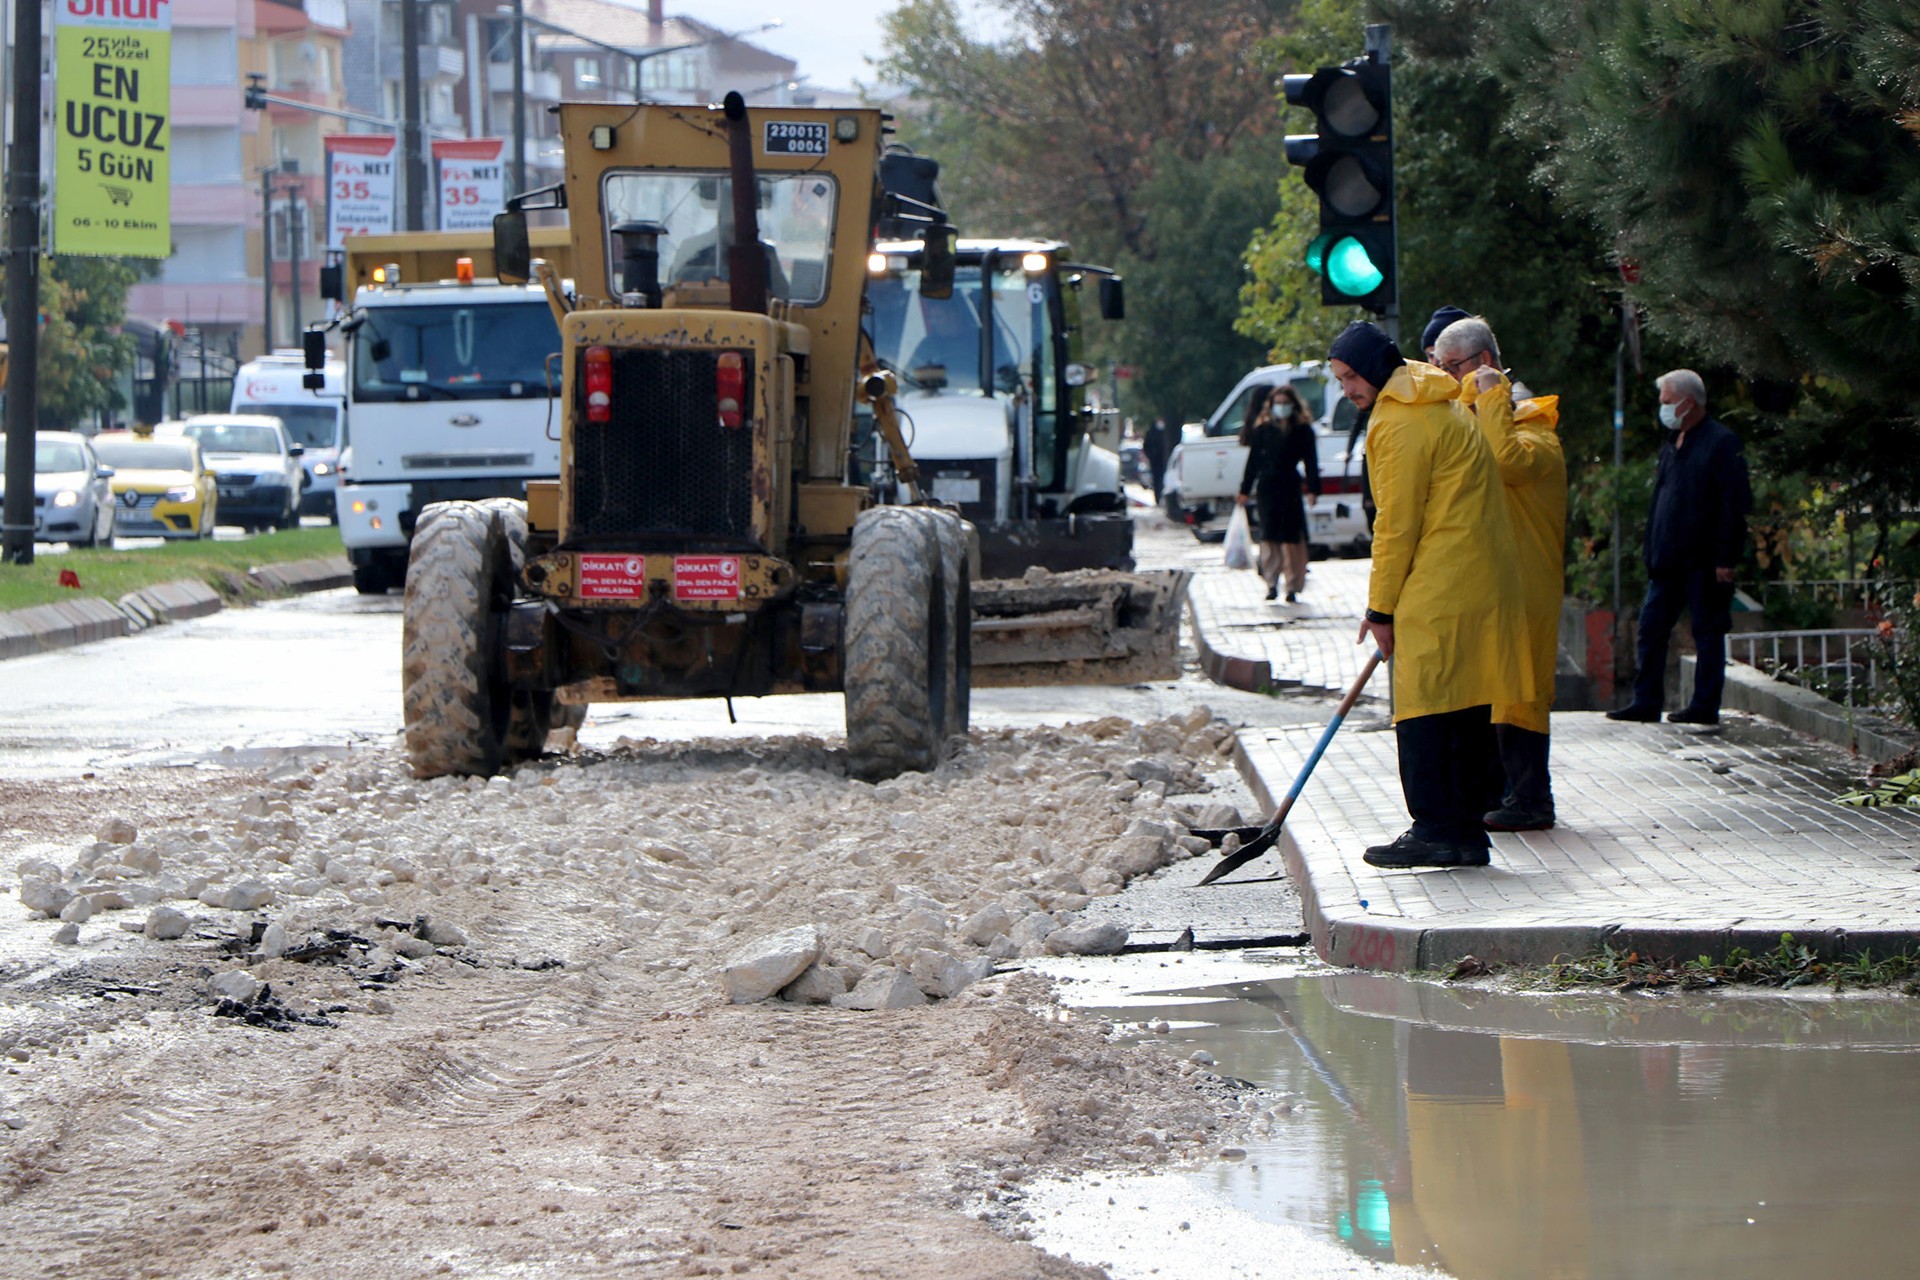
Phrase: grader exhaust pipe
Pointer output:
(746, 258)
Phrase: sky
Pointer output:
(830, 39)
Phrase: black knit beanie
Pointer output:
(1368, 351)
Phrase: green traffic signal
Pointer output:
(1316, 254)
(1350, 269)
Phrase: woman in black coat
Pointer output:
(1278, 435)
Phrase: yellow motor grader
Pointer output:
(704, 538)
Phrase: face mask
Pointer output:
(1670, 416)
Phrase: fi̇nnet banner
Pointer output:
(113, 61)
(359, 186)
(472, 182)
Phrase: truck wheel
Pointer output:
(957, 556)
(372, 579)
(897, 641)
(457, 705)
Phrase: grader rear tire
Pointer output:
(897, 645)
(958, 553)
(453, 672)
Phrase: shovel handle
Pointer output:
(1326, 737)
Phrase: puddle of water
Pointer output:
(1490, 1135)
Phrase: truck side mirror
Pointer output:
(936, 262)
(1113, 299)
(512, 255)
(313, 345)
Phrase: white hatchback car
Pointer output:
(1203, 475)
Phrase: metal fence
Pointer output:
(1849, 665)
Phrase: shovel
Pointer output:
(1257, 840)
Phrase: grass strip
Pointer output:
(112, 574)
(1791, 964)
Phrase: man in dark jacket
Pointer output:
(1696, 532)
(1157, 447)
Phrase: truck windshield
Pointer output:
(936, 342)
(489, 352)
(316, 425)
(796, 225)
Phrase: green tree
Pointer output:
(83, 304)
(1760, 159)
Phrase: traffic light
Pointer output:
(1349, 165)
(255, 94)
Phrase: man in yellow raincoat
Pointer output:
(1526, 447)
(1444, 598)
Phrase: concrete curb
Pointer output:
(84, 619)
(1803, 710)
(1254, 675)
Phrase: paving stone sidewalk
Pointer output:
(1249, 642)
(1671, 841)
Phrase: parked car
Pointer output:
(161, 487)
(254, 461)
(1203, 474)
(72, 490)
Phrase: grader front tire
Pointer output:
(453, 678)
(897, 634)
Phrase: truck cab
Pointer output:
(990, 380)
(450, 381)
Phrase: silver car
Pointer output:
(255, 462)
(72, 501)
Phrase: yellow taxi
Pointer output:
(161, 488)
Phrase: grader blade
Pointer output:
(1089, 626)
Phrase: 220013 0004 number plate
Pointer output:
(624, 577)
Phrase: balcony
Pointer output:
(542, 86)
(437, 62)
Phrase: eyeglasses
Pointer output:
(1453, 367)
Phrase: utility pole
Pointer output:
(410, 131)
(23, 288)
(519, 96)
(266, 250)
(295, 226)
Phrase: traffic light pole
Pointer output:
(1380, 49)
(23, 289)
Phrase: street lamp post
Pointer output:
(638, 57)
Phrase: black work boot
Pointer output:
(1410, 850)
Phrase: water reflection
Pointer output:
(1497, 1136)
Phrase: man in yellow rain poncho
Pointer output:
(1444, 598)
(1526, 447)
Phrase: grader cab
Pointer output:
(702, 539)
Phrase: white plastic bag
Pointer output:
(1239, 540)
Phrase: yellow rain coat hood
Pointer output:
(1526, 447)
(1443, 553)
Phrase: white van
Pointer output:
(315, 420)
(1203, 474)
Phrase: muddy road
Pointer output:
(282, 1009)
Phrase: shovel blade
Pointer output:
(1246, 853)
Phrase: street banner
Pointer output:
(113, 65)
(472, 182)
(359, 186)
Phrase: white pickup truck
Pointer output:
(1203, 474)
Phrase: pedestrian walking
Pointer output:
(1157, 446)
(1525, 441)
(1444, 599)
(1696, 534)
(1278, 436)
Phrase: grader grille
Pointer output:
(663, 465)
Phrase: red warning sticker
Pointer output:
(706, 577)
(618, 577)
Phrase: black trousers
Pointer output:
(1708, 603)
(1445, 773)
(1523, 763)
